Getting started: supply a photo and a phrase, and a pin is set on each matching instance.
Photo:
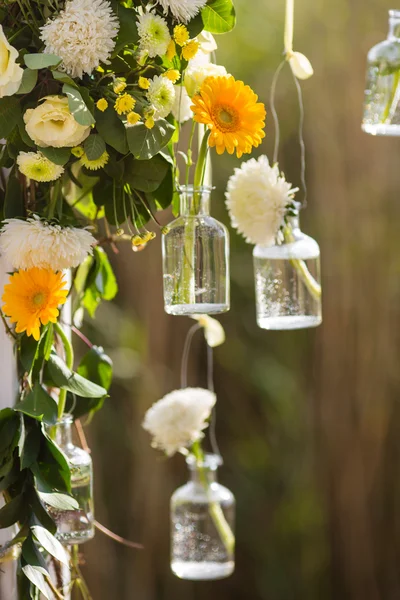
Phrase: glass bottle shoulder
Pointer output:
(76, 456)
(386, 51)
(303, 247)
(195, 492)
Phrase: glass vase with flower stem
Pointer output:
(202, 511)
(382, 92)
(195, 249)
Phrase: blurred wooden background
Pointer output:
(309, 421)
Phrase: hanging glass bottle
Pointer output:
(202, 524)
(74, 526)
(287, 278)
(195, 258)
(382, 94)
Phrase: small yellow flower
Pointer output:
(190, 49)
(124, 104)
(32, 297)
(133, 118)
(119, 86)
(171, 50)
(137, 240)
(149, 123)
(95, 165)
(173, 75)
(102, 104)
(78, 151)
(181, 35)
(144, 83)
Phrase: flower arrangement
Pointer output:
(93, 98)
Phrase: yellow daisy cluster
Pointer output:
(181, 38)
(124, 104)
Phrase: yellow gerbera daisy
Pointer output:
(190, 49)
(95, 165)
(32, 297)
(124, 104)
(231, 111)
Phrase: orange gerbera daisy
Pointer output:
(231, 111)
(32, 297)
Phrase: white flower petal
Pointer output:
(213, 330)
(300, 65)
(182, 10)
(197, 74)
(10, 71)
(154, 35)
(181, 110)
(161, 94)
(178, 419)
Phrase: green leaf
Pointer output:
(105, 281)
(59, 501)
(52, 472)
(94, 146)
(195, 26)
(35, 576)
(31, 554)
(13, 511)
(112, 129)
(9, 425)
(64, 78)
(10, 113)
(77, 105)
(219, 16)
(127, 34)
(50, 543)
(41, 61)
(28, 82)
(145, 143)
(63, 377)
(14, 201)
(146, 175)
(164, 194)
(31, 448)
(80, 196)
(59, 156)
(97, 367)
(39, 405)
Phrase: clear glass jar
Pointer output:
(382, 94)
(195, 258)
(288, 281)
(74, 526)
(202, 524)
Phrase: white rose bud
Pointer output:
(52, 124)
(300, 65)
(10, 71)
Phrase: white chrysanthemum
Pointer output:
(213, 330)
(82, 35)
(154, 34)
(256, 198)
(161, 94)
(183, 10)
(35, 243)
(196, 75)
(178, 419)
(37, 167)
(181, 109)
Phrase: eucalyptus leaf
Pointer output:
(94, 146)
(59, 156)
(146, 175)
(41, 61)
(111, 129)
(145, 143)
(10, 113)
(77, 105)
(28, 81)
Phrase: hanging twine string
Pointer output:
(210, 381)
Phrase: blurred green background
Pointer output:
(309, 421)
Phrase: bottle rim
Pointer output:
(181, 189)
(210, 462)
(394, 13)
(66, 419)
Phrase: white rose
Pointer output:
(181, 110)
(196, 75)
(10, 72)
(52, 124)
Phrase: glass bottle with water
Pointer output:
(195, 258)
(382, 94)
(288, 281)
(74, 526)
(202, 523)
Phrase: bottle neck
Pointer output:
(394, 25)
(206, 472)
(202, 475)
(63, 431)
(194, 201)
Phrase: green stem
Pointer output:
(189, 153)
(311, 284)
(201, 161)
(214, 508)
(388, 107)
(69, 360)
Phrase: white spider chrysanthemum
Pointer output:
(154, 34)
(181, 109)
(256, 198)
(161, 94)
(35, 243)
(82, 35)
(183, 10)
(37, 167)
(178, 419)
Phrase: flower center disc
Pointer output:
(226, 118)
(38, 299)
